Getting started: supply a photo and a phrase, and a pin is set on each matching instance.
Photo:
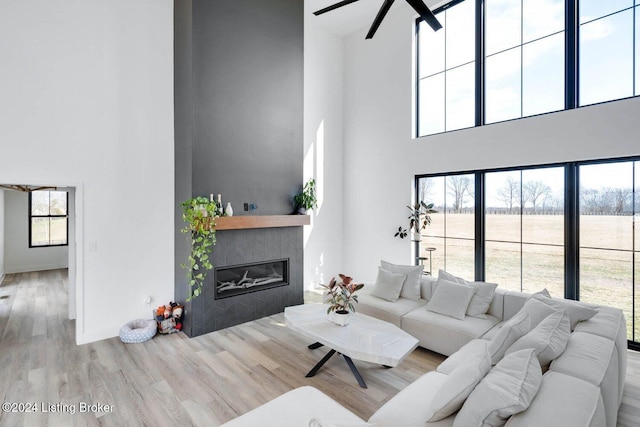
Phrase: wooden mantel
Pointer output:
(261, 221)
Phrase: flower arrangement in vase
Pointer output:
(341, 297)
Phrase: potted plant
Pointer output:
(419, 219)
(341, 297)
(307, 199)
(199, 214)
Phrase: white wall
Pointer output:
(88, 103)
(2, 270)
(19, 257)
(323, 148)
(383, 158)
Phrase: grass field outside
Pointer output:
(608, 258)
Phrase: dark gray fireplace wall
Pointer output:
(245, 247)
(238, 109)
(248, 101)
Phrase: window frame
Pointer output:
(571, 223)
(31, 216)
(571, 65)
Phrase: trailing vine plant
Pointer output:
(199, 214)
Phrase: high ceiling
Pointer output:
(357, 15)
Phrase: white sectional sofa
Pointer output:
(582, 387)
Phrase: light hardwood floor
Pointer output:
(176, 381)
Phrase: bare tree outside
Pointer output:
(458, 186)
(510, 194)
(620, 198)
(535, 192)
(425, 189)
(608, 200)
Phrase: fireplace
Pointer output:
(245, 278)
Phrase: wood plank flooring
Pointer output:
(174, 380)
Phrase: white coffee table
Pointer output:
(364, 338)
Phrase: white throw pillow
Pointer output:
(543, 292)
(388, 285)
(458, 386)
(510, 332)
(472, 352)
(507, 389)
(451, 299)
(577, 311)
(482, 297)
(411, 286)
(549, 338)
(537, 310)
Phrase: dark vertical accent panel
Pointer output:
(238, 130)
(571, 232)
(183, 111)
(248, 101)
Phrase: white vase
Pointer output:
(416, 236)
(228, 209)
(341, 317)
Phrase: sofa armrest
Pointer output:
(294, 409)
(410, 407)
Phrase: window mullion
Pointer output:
(479, 45)
(479, 240)
(571, 77)
(571, 232)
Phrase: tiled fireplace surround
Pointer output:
(248, 246)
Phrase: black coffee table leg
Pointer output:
(314, 346)
(316, 368)
(355, 372)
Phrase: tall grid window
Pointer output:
(515, 232)
(523, 58)
(446, 71)
(608, 50)
(48, 218)
(449, 240)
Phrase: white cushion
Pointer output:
(510, 332)
(411, 285)
(444, 334)
(451, 299)
(576, 310)
(537, 311)
(382, 309)
(295, 404)
(595, 360)
(458, 386)
(328, 422)
(482, 297)
(549, 338)
(409, 407)
(507, 389)
(562, 401)
(472, 352)
(388, 285)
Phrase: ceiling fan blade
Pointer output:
(425, 13)
(333, 7)
(381, 14)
